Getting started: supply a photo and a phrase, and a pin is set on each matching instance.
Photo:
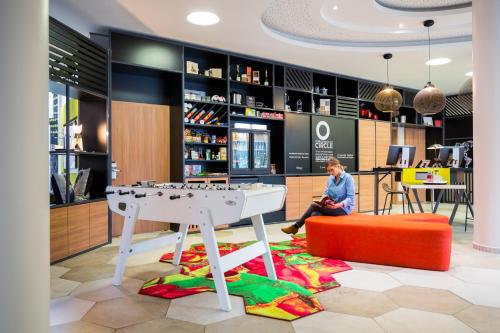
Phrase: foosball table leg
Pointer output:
(126, 242)
(260, 233)
(183, 229)
(208, 235)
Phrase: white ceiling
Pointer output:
(349, 41)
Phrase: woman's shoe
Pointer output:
(290, 229)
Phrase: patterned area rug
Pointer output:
(292, 296)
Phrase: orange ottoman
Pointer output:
(414, 240)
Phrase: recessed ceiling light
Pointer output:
(401, 25)
(203, 18)
(437, 61)
(468, 74)
(335, 7)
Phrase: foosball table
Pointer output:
(205, 205)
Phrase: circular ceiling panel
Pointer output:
(424, 5)
(361, 23)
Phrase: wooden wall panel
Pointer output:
(366, 144)
(306, 193)
(78, 228)
(356, 191)
(383, 141)
(141, 148)
(58, 233)
(292, 198)
(366, 192)
(98, 223)
(319, 186)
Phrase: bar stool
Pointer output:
(468, 207)
(391, 192)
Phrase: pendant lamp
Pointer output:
(429, 100)
(388, 99)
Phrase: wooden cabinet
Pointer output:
(366, 192)
(293, 198)
(306, 193)
(58, 233)
(319, 186)
(382, 142)
(77, 228)
(366, 145)
(98, 223)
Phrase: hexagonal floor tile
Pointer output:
(355, 302)
(163, 325)
(481, 318)
(80, 327)
(57, 271)
(366, 280)
(150, 271)
(372, 267)
(250, 323)
(126, 311)
(479, 294)
(88, 259)
(330, 322)
(427, 299)
(67, 309)
(477, 275)
(204, 308)
(101, 290)
(427, 279)
(62, 287)
(416, 321)
(90, 273)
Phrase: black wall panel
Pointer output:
(322, 129)
(298, 143)
(344, 142)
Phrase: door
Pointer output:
(261, 152)
(240, 152)
(141, 149)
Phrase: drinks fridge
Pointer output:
(250, 151)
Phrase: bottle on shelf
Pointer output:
(238, 76)
(190, 114)
(197, 117)
(266, 80)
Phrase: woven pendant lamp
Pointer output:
(388, 99)
(430, 100)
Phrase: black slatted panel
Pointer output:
(469, 184)
(369, 90)
(458, 106)
(408, 97)
(347, 107)
(75, 60)
(299, 79)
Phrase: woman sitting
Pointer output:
(338, 198)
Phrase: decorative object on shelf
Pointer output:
(429, 100)
(427, 121)
(403, 118)
(249, 112)
(299, 105)
(215, 72)
(243, 78)
(316, 89)
(435, 147)
(266, 79)
(218, 98)
(273, 169)
(83, 183)
(236, 98)
(238, 76)
(249, 75)
(324, 91)
(388, 99)
(256, 77)
(192, 67)
(76, 140)
(324, 106)
(250, 100)
(438, 123)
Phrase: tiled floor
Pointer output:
(372, 298)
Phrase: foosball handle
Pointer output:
(109, 192)
(143, 195)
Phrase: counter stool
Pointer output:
(391, 192)
(468, 207)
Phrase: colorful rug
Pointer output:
(300, 276)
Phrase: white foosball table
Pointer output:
(205, 205)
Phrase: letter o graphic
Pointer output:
(318, 134)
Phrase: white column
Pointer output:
(24, 196)
(486, 88)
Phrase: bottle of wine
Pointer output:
(266, 81)
(238, 76)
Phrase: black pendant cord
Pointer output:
(429, 55)
(387, 66)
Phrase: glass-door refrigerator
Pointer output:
(250, 151)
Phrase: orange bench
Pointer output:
(414, 240)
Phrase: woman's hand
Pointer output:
(335, 205)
